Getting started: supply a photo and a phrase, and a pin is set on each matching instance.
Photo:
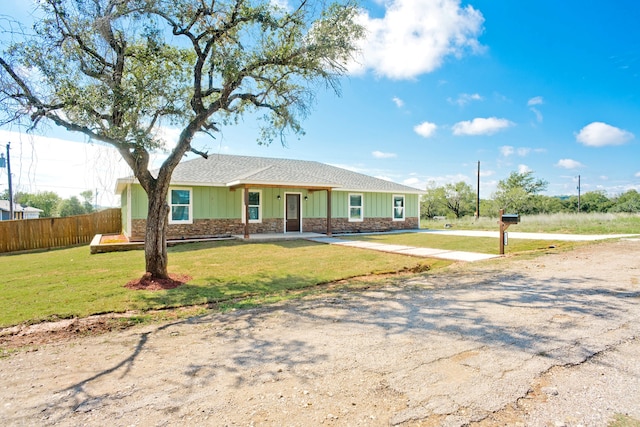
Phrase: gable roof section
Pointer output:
(224, 170)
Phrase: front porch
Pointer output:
(119, 243)
(268, 237)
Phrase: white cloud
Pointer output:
(598, 134)
(439, 181)
(411, 181)
(381, 155)
(538, 114)
(425, 129)
(282, 4)
(168, 135)
(507, 150)
(481, 126)
(415, 36)
(569, 164)
(537, 100)
(399, 102)
(637, 175)
(464, 98)
(523, 169)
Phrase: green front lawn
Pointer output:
(72, 283)
(485, 245)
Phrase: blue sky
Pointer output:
(547, 86)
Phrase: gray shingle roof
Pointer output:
(229, 170)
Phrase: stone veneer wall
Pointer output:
(202, 228)
(342, 225)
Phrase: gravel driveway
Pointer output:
(549, 341)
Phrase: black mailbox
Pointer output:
(510, 218)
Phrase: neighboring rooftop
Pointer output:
(4, 206)
(228, 170)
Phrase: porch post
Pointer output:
(246, 212)
(328, 211)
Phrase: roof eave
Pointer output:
(399, 191)
(122, 183)
(281, 184)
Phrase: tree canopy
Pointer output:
(460, 198)
(118, 70)
(515, 193)
(48, 201)
(456, 200)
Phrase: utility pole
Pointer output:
(11, 213)
(578, 193)
(478, 194)
(8, 166)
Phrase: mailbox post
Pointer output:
(505, 221)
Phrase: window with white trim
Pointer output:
(181, 207)
(255, 207)
(356, 207)
(398, 208)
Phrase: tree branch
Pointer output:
(199, 153)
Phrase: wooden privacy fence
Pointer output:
(44, 233)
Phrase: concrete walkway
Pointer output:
(407, 250)
(460, 255)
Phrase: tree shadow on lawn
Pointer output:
(286, 244)
(216, 291)
(553, 318)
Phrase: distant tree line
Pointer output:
(52, 204)
(520, 193)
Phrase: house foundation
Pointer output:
(211, 228)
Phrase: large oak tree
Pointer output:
(118, 70)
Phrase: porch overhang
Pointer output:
(257, 184)
(311, 187)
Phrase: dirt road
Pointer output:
(550, 341)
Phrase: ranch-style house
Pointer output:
(241, 195)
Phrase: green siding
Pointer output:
(412, 205)
(216, 203)
(339, 204)
(124, 203)
(315, 206)
(208, 202)
(139, 202)
(271, 206)
(223, 203)
(376, 205)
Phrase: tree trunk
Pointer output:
(155, 241)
